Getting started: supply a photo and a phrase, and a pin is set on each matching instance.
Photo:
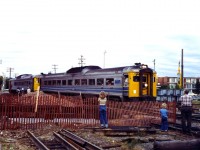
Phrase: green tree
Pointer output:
(164, 87)
(1, 80)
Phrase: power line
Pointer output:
(54, 68)
(81, 63)
(154, 63)
(104, 59)
(10, 70)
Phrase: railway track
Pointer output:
(80, 141)
(195, 117)
(195, 131)
(61, 141)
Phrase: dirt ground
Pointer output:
(18, 139)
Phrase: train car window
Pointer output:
(109, 81)
(144, 79)
(64, 82)
(54, 82)
(49, 82)
(100, 81)
(126, 81)
(91, 81)
(84, 82)
(77, 81)
(45, 82)
(136, 78)
(69, 82)
(58, 82)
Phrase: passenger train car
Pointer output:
(23, 82)
(137, 82)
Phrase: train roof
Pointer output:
(24, 76)
(123, 69)
(89, 70)
(97, 69)
(83, 69)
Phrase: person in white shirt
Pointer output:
(102, 108)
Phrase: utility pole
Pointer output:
(104, 59)
(81, 63)
(182, 84)
(4, 82)
(54, 68)
(10, 70)
(154, 63)
(0, 61)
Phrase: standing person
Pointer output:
(164, 117)
(102, 108)
(28, 90)
(186, 111)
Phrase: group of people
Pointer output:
(185, 107)
(22, 91)
(185, 103)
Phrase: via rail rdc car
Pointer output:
(23, 82)
(136, 82)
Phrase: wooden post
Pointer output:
(37, 96)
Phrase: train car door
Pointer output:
(125, 85)
(146, 82)
(133, 84)
(36, 83)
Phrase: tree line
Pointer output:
(6, 86)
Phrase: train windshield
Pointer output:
(137, 79)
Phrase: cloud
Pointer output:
(36, 34)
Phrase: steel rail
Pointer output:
(37, 142)
(178, 127)
(79, 140)
(68, 144)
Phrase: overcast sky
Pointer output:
(36, 34)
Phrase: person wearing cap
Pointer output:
(102, 108)
(164, 117)
(186, 111)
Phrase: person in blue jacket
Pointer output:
(164, 117)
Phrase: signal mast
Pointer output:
(81, 61)
(179, 78)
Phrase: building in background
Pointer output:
(189, 83)
(169, 88)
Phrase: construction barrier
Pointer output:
(32, 112)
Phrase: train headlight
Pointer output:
(145, 85)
